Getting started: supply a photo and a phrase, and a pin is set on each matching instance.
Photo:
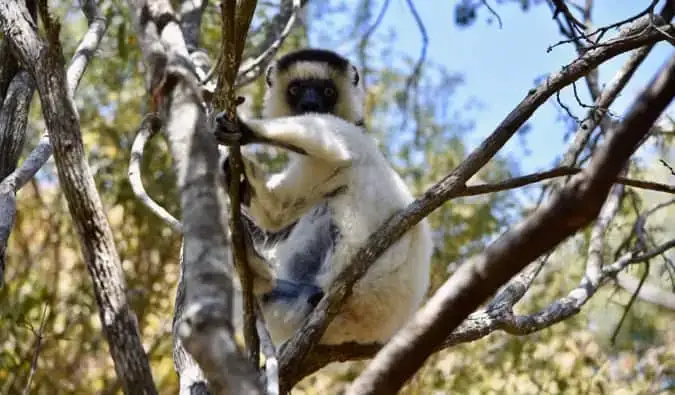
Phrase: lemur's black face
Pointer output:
(312, 95)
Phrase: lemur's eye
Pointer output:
(329, 91)
(293, 90)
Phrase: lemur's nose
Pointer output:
(309, 106)
(310, 101)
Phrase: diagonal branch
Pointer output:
(498, 314)
(575, 206)
(297, 348)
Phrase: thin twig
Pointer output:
(631, 301)
(517, 182)
(669, 167)
(38, 347)
(493, 12)
(150, 125)
(413, 79)
(254, 67)
(600, 32)
(235, 21)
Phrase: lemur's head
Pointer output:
(314, 81)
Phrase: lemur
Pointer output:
(309, 220)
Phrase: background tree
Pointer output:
(617, 340)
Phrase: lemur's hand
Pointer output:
(229, 131)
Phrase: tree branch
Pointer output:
(44, 61)
(297, 348)
(649, 293)
(236, 19)
(571, 209)
(43, 151)
(601, 106)
(498, 314)
(518, 182)
(279, 28)
(204, 328)
(149, 127)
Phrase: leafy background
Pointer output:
(423, 132)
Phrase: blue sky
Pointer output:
(500, 65)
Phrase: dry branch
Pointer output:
(236, 19)
(204, 328)
(576, 205)
(42, 152)
(149, 127)
(649, 292)
(296, 349)
(279, 28)
(600, 108)
(44, 60)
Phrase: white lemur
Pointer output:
(309, 220)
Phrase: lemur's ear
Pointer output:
(356, 76)
(268, 75)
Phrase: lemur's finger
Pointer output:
(227, 137)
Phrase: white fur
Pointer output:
(339, 155)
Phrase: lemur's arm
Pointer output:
(320, 136)
(280, 200)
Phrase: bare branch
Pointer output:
(280, 27)
(628, 306)
(570, 210)
(87, 48)
(236, 19)
(669, 167)
(518, 182)
(149, 127)
(10, 185)
(649, 292)
(297, 348)
(13, 120)
(498, 314)
(607, 97)
(15, 181)
(36, 352)
(204, 328)
(44, 61)
(493, 12)
(413, 80)
(600, 32)
(270, 353)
